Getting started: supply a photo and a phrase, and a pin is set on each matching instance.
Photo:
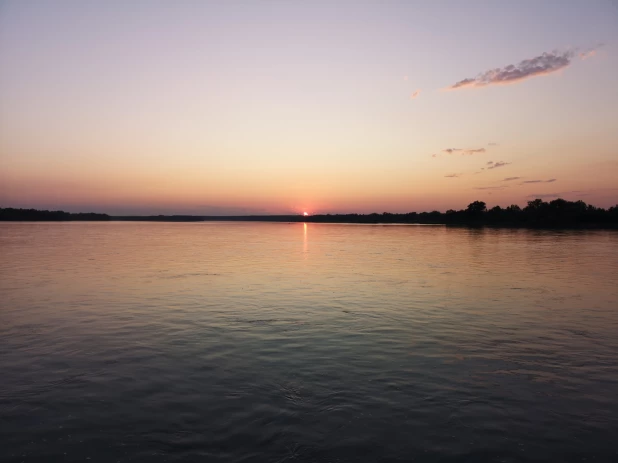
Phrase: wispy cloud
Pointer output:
(588, 53)
(453, 175)
(463, 151)
(495, 165)
(474, 151)
(415, 94)
(551, 180)
(542, 65)
(490, 187)
(508, 179)
(492, 144)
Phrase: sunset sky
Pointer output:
(140, 107)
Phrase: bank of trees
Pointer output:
(13, 214)
(558, 212)
(537, 213)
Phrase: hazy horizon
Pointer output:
(281, 108)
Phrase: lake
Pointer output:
(276, 342)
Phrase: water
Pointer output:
(241, 342)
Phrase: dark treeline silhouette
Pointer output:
(558, 213)
(537, 213)
(51, 216)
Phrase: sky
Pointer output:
(188, 107)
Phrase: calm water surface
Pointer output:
(242, 342)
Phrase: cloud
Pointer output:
(415, 94)
(591, 51)
(542, 65)
(508, 179)
(490, 187)
(551, 180)
(453, 175)
(463, 151)
(474, 151)
(495, 165)
(492, 144)
(489, 163)
(469, 82)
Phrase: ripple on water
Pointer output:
(275, 342)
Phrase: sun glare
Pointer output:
(305, 214)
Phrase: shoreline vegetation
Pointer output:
(558, 213)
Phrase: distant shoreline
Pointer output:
(342, 221)
(556, 214)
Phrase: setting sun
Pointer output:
(305, 214)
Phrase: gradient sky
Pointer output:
(273, 107)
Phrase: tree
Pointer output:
(476, 208)
(535, 205)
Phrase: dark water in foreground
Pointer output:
(238, 342)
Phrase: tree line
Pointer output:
(13, 214)
(558, 212)
(537, 213)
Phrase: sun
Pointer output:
(305, 214)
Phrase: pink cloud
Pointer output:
(495, 165)
(542, 65)
(474, 151)
(463, 151)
